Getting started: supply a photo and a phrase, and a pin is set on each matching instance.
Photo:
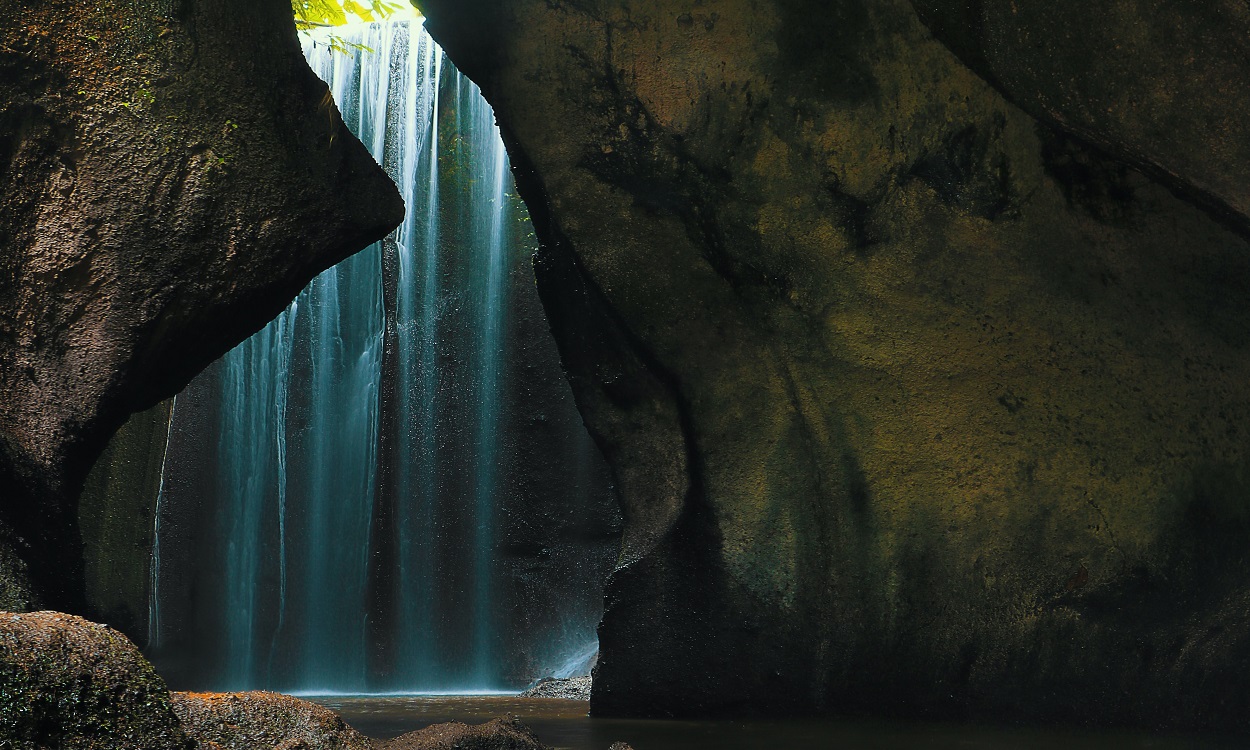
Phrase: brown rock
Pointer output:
(879, 361)
(1164, 84)
(504, 733)
(70, 684)
(171, 175)
(262, 720)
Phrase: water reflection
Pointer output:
(566, 726)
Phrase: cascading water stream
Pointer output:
(359, 441)
(154, 578)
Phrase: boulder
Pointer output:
(70, 684)
(503, 733)
(264, 721)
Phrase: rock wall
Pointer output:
(916, 406)
(1164, 85)
(117, 513)
(172, 174)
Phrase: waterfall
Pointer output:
(154, 567)
(365, 446)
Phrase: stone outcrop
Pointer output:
(262, 720)
(916, 405)
(69, 684)
(1164, 85)
(504, 733)
(569, 688)
(172, 174)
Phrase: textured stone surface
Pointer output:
(69, 684)
(264, 721)
(571, 689)
(172, 174)
(915, 406)
(1164, 84)
(504, 733)
(116, 512)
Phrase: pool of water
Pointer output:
(566, 726)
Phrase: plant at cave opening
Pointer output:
(311, 14)
(315, 14)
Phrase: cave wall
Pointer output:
(916, 405)
(171, 175)
(1164, 85)
(116, 515)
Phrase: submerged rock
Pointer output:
(504, 733)
(70, 684)
(570, 688)
(263, 720)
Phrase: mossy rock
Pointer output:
(70, 684)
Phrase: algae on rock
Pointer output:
(916, 405)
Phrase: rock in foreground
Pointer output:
(70, 684)
(504, 733)
(256, 720)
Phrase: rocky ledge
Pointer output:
(571, 689)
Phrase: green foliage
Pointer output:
(311, 14)
(314, 14)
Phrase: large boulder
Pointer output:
(69, 684)
(171, 175)
(503, 733)
(264, 721)
(916, 405)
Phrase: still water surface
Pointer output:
(564, 725)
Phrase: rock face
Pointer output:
(69, 684)
(1164, 84)
(172, 174)
(915, 405)
(260, 720)
(116, 514)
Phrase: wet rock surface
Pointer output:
(263, 720)
(572, 689)
(1139, 79)
(916, 405)
(503, 733)
(69, 684)
(171, 175)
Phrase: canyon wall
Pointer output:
(171, 174)
(916, 405)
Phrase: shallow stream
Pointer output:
(565, 725)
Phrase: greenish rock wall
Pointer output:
(116, 513)
(1164, 85)
(917, 406)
